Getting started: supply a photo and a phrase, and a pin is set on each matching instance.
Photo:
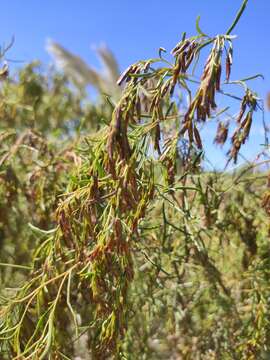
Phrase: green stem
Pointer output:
(238, 16)
(16, 266)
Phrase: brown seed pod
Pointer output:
(190, 132)
(228, 64)
(179, 48)
(242, 111)
(197, 138)
(124, 75)
(218, 76)
(222, 133)
(246, 126)
(176, 71)
(157, 139)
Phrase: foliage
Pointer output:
(126, 243)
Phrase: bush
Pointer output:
(116, 240)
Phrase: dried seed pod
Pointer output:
(222, 133)
(236, 144)
(165, 88)
(246, 126)
(172, 88)
(228, 64)
(146, 66)
(248, 100)
(241, 134)
(94, 189)
(197, 138)
(218, 76)
(157, 139)
(179, 48)
(206, 68)
(176, 71)
(132, 69)
(117, 229)
(117, 119)
(116, 126)
(124, 75)
(190, 55)
(212, 98)
(204, 100)
(190, 132)
(242, 111)
(170, 167)
(186, 124)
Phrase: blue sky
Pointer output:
(136, 29)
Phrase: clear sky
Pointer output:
(136, 29)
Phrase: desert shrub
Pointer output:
(113, 235)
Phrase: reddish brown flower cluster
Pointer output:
(241, 133)
(204, 100)
(118, 138)
(229, 63)
(222, 133)
(140, 67)
(184, 52)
